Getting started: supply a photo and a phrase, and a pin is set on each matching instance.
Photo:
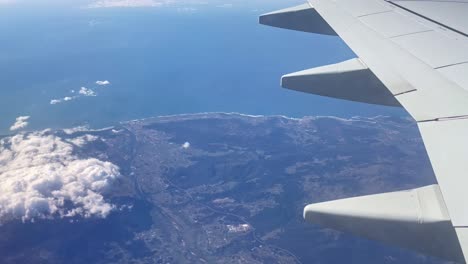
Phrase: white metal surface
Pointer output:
(391, 24)
(416, 219)
(435, 49)
(419, 52)
(397, 68)
(349, 80)
(462, 234)
(447, 145)
(362, 7)
(458, 73)
(450, 13)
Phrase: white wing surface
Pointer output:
(412, 54)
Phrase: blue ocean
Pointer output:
(159, 61)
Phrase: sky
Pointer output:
(96, 63)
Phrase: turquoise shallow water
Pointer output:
(159, 61)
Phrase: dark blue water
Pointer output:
(160, 61)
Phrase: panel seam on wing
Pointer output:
(453, 64)
(449, 118)
(376, 13)
(411, 33)
(427, 18)
(405, 92)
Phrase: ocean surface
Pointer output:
(159, 61)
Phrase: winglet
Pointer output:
(416, 219)
(349, 80)
(302, 18)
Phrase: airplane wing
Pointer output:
(412, 54)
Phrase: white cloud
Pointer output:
(82, 92)
(42, 178)
(227, 5)
(86, 92)
(83, 140)
(70, 131)
(21, 122)
(106, 82)
(61, 100)
(186, 145)
(125, 3)
(187, 9)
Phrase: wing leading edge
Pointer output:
(405, 58)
